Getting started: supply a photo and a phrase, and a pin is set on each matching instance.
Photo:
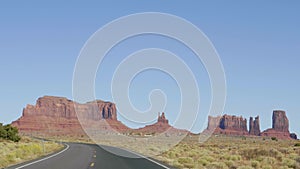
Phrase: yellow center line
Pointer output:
(95, 156)
(92, 164)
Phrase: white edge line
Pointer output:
(44, 158)
(153, 161)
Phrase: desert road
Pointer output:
(89, 156)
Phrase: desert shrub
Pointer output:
(192, 154)
(289, 163)
(235, 157)
(208, 158)
(177, 165)
(217, 165)
(36, 149)
(171, 154)
(297, 162)
(3, 133)
(260, 152)
(274, 139)
(244, 167)
(9, 132)
(189, 165)
(297, 145)
(267, 167)
(184, 160)
(234, 153)
(284, 167)
(293, 156)
(11, 157)
(203, 162)
(284, 150)
(230, 157)
(230, 164)
(26, 149)
(269, 160)
(255, 164)
(155, 149)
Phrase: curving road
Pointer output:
(89, 156)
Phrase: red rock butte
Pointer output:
(161, 126)
(228, 125)
(233, 125)
(254, 126)
(280, 126)
(57, 116)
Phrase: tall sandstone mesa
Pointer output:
(57, 116)
(233, 125)
(280, 121)
(280, 126)
(254, 126)
(228, 125)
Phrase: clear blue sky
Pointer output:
(258, 43)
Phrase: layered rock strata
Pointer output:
(58, 116)
(254, 126)
(280, 126)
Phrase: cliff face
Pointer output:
(228, 125)
(280, 121)
(162, 118)
(254, 126)
(57, 116)
(161, 126)
(280, 126)
(63, 108)
(213, 122)
(233, 125)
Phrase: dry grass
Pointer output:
(148, 146)
(233, 153)
(27, 149)
(217, 153)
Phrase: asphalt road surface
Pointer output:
(89, 156)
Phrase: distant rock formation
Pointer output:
(162, 125)
(280, 121)
(228, 125)
(213, 122)
(280, 126)
(233, 125)
(63, 108)
(162, 118)
(57, 116)
(254, 126)
(274, 133)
